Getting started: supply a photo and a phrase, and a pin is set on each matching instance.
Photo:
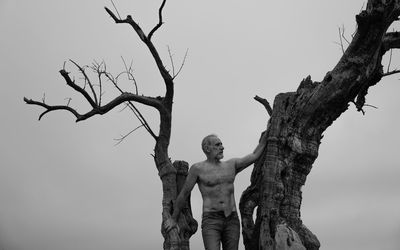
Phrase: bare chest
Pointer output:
(216, 176)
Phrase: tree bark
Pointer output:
(296, 128)
(187, 224)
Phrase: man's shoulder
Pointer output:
(232, 161)
(198, 165)
(195, 168)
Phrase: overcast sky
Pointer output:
(65, 186)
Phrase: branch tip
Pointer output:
(160, 22)
(111, 14)
(265, 103)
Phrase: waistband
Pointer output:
(219, 214)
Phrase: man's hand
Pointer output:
(263, 137)
(170, 223)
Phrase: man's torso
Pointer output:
(215, 182)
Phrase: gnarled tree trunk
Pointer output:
(187, 224)
(298, 120)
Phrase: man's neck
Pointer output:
(213, 161)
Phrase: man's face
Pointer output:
(216, 149)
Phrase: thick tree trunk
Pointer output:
(172, 177)
(295, 130)
(276, 184)
(172, 184)
(279, 175)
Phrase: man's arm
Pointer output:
(244, 162)
(187, 188)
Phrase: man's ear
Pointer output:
(207, 149)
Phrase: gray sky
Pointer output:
(65, 186)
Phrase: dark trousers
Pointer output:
(217, 229)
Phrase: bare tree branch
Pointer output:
(174, 75)
(163, 71)
(52, 108)
(183, 64)
(265, 103)
(162, 103)
(86, 80)
(341, 40)
(343, 36)
(123, 137)
(129, 73)
(69, 100)
(361, 108)
(100, 110)
(160, 22)
(133, 108)
(72, 84)
(372, 106)
(391, 72)
(172, 61)
(167, 171)
(116, 10)
(99, 69)
(391, 40)
(129, 21)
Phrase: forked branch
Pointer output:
(132, 107)
(168, 79)
(50, 108)
(77, 88)
(87, 80)
(160, 22)
(175, 74)
(99, 110)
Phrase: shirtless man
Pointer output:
(220, 222)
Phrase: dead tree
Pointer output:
(296, 126)
(172, 175)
